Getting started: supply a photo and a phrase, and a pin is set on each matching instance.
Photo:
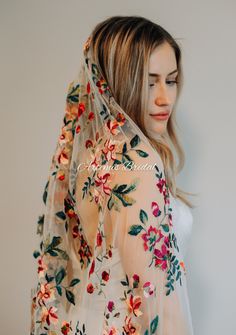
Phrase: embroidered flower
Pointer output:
(150, 238)
(161, 257)
(99, 239)
(49, 315)
(110, 306)
(90, 288)
(91, 116)
(92, 268)
(66, 327)
(134, 303)
(81, 109)
(134, 281)
(105, 276)
(155, 209)
(148, 289)
(41, 267)
(46, 293)
(112, 331)
(129, 327)
(109, 150)
(101, 183)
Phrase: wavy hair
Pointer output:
(121, 47)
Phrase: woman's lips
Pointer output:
(161, 116)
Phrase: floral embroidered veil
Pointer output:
(108, 259)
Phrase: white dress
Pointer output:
(183, 222)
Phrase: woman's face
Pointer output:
(162, 87)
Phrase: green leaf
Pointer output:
(143, 216)
(63, 254)
(59, 290)
(154, 324)
(135, 140)
(124, 150)
(146, 332)
(168, 292)
(60, 276)
(36, 254)
(52, 253)
(70, 297)
(61, 215)
(142, 153)
(135, 230)
(121, 188)
(45, 193)
(165, 227)
(74, 282)
(178, 275)
(124, 283)
(56, 240)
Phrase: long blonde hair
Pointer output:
(122, 46)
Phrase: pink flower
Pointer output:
(155, 209)
(149, 238)
(161, 260)
(110, 306)
(148, 289)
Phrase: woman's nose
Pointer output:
(162, 97)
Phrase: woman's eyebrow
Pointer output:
(157, 75)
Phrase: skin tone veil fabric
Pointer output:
(108, 259)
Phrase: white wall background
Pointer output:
(41, 43)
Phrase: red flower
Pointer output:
(77, 130)
(99, 239)
(88, 87)
(105, 276)
(110, 306)
(65, 328)
(63, 158)
(90, 288)
(155, 209)
(88, 144)
(120, 119)
(91, 116)
(81, 109)
(92, 268)
(75, 231)
(101, 181)
(161, 184)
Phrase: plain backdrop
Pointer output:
(41, 44)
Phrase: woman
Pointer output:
(114, 231)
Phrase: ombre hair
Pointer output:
(121, 47)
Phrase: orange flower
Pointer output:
(134, 303)
(183, 266)
(45, 293)
(49, 315)
(130, 328)
(81, 109)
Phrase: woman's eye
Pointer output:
(172, 82)
(169, 82)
